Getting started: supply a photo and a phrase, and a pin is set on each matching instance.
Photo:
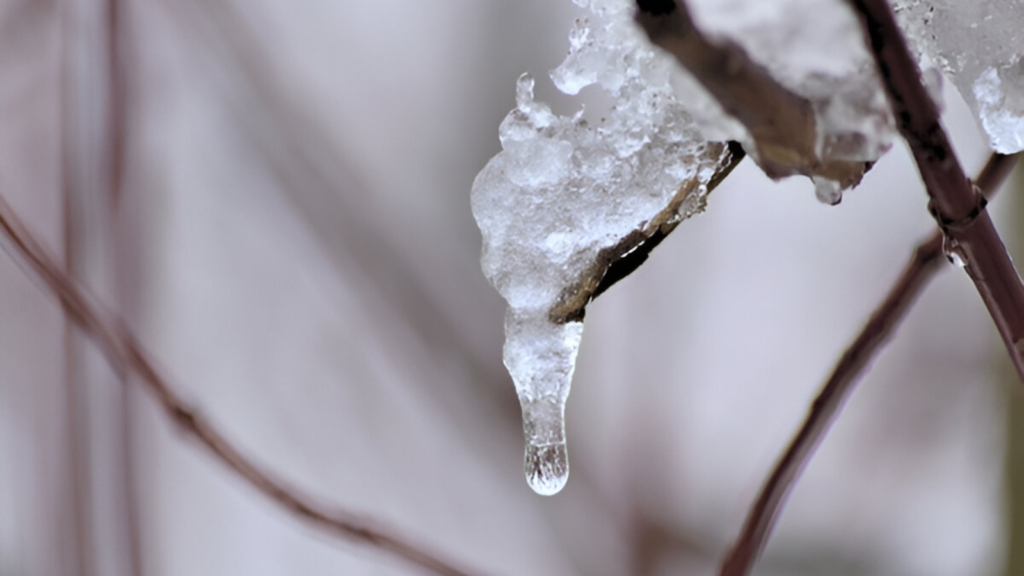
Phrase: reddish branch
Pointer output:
(918, 272)
(957, 207)
(125, 355)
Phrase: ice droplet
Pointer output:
(954, 252)
(828, 191)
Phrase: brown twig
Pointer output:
(781, 123)
(958, 209)
(124, 354)
(923, 265)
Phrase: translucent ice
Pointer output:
(563, 199)
(828, 191)
(541, 356)
(978, 44)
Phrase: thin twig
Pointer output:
(920, 269)
(124, 354)
(958, 209)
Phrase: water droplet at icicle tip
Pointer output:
(546, 461)
(547, 468)
(828, 191)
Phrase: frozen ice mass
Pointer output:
(562, 192)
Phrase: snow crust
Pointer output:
(978, 44)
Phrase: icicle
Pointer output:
(541, 357)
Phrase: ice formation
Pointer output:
(978, 43)
(815, 49)
(562, 194)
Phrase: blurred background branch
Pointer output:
(124, 353)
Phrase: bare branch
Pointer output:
(125, 355)
(956, 206)
(920, 269)
(782, 124)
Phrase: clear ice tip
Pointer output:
(547, 468)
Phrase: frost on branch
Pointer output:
(978, 43)
(564, 203)
(790, 79)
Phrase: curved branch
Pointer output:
(923, 265)
(958, 209)
(125, 354)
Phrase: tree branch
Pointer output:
(782, 124)
(956, 206)
(125, 355)
(923, 265)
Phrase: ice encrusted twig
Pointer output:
(919, 270)
(126, 355)
(955, 204)
(830, 130)
(567, 208)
